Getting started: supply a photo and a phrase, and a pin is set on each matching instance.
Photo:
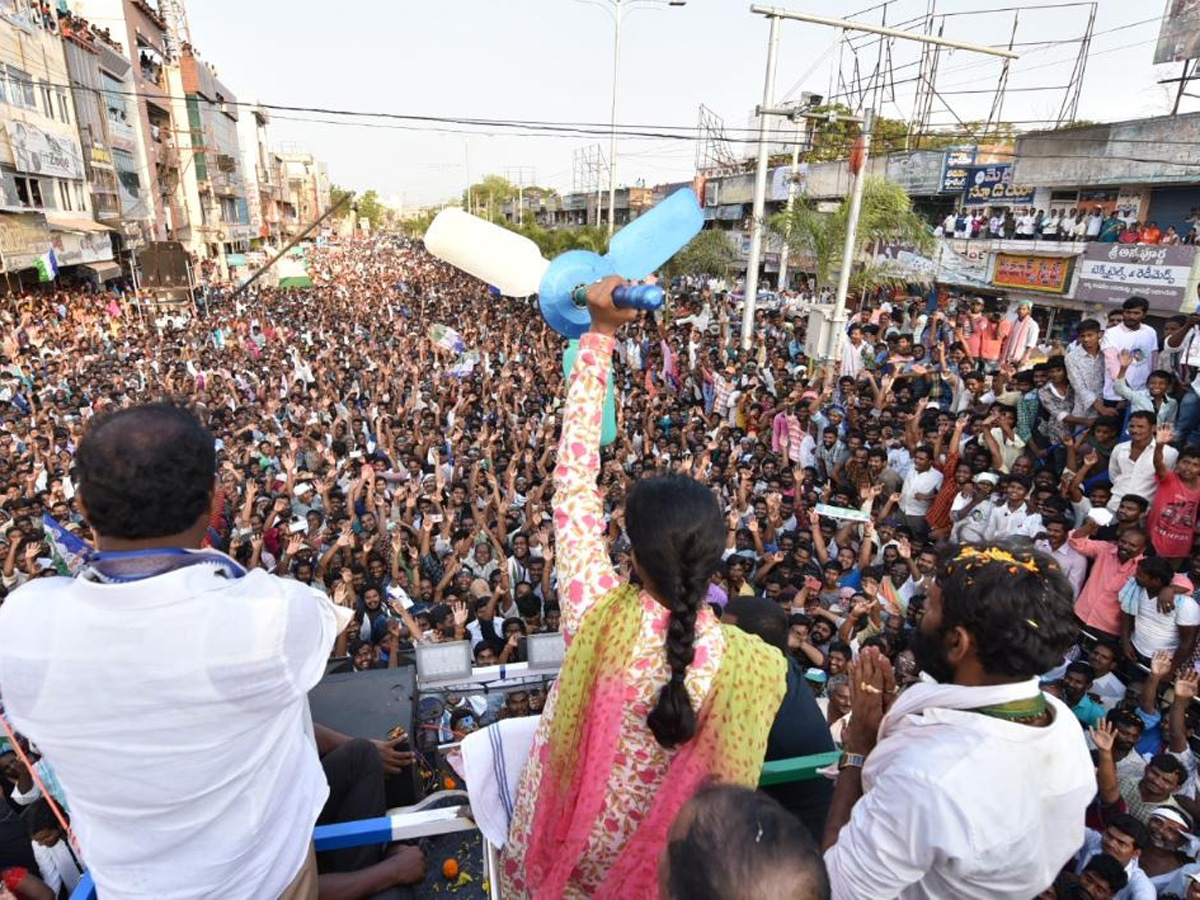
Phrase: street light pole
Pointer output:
(618, 9)
(781, 282)
(838, 319)
(750, 287)
(612, 138)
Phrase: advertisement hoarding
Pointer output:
(956, 166)
(993, 186)
(1112, 273)
(1046, 274)
(1179, 37)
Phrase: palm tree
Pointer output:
(886, 216)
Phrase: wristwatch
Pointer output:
(855, 760)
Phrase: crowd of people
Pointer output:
(1076, 224)
(389, 438)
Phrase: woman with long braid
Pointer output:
(655, 697)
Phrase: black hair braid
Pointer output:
(673, 720)
(678, 536)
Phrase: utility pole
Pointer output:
(521, 174)
(774, 14)
(782, 280)
(467, 160)
(750, 285)
(802, 133)
(837, 321)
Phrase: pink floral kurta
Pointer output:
(586, 574)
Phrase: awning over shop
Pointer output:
(67, 222)
(105, 271)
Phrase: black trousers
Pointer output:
(355, 775)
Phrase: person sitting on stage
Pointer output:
(654, 695)
(192, 772)
(941, 791)
(730, 842)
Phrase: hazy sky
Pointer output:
(551, 60)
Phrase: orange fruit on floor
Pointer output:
(450, 869)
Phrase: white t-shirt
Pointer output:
(1005, 522)
(1153, 630)
(174, 711)
(1143, 344)
(915, 482)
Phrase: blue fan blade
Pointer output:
(651, 239)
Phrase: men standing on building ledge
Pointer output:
(941, 791)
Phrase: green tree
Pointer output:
(553, 241)
(369, 207)
(834, 140)
(708, 253)
(488, 195)
(886, 216)
(416, 226)
(337, 195)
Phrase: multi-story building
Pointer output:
(306, 187)
(99, 73)
(263, 169)
(44, 191)
(141, 126)
(213, 181)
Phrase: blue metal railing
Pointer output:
(381, 830)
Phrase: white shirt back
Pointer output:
(174, 711)
(958, 804)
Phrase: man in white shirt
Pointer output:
(190, 765)
(1014, 518)
(942, 788)
(1159, 612)
(1025, 224)
(60, 868)
(1131, 464)
(920, 487)
(1138, 339)
(1023, 337)
(1094, 223)
(972, 508)
(853, 351)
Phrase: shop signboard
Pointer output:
(74, 248)
(1112, 273)
(919, 172)
(956, 165)
(956, 263)
(1046, 274)
(23, 238)
(993, 186)
(40, 153)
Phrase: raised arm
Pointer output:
(583, 562)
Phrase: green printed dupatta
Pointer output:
(577, 759)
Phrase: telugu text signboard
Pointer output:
(1112, 273)
(956, 168)
(1046, 274)
(993, 186)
